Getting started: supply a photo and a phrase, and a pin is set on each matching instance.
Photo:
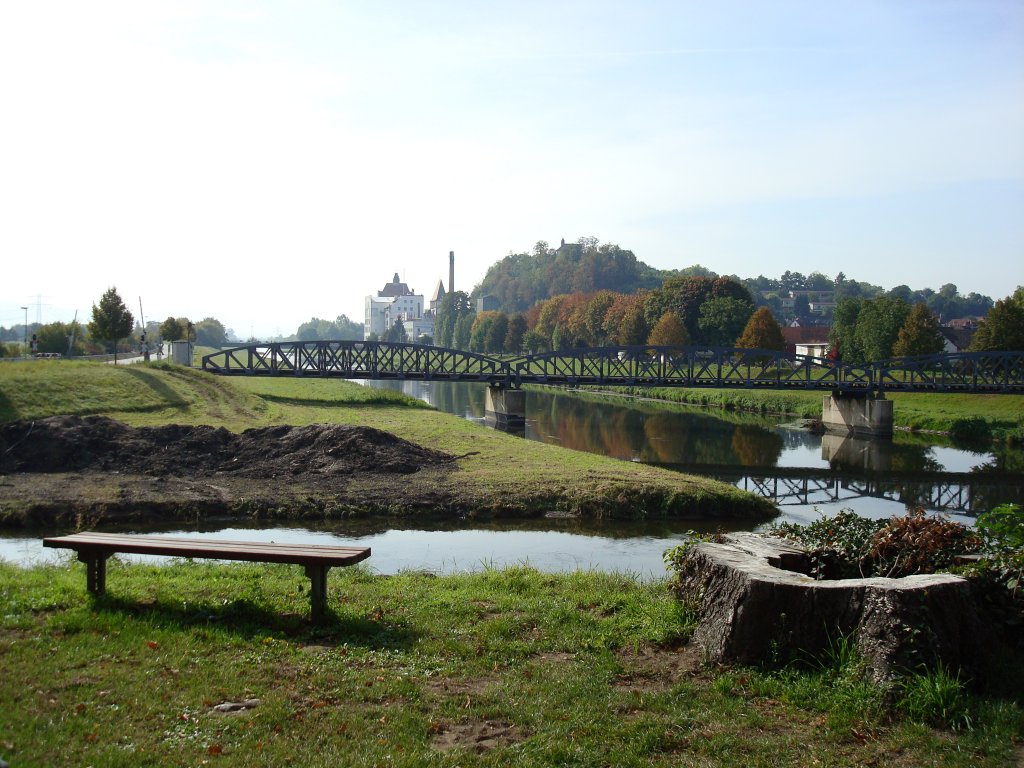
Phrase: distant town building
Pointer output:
(956, 338)
(488, 304)
(395, 301)
(438, 297)
(811, 341)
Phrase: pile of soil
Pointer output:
(99, 444)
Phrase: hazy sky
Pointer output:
(267, 162)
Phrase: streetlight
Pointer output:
(26, 330)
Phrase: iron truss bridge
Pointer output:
(644, 366)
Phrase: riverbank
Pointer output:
(984, 418)
(195, 662)
(490, 474)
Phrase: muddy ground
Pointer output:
(71, 469)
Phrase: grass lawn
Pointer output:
(499, 667)
(495, 472)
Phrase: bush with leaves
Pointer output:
(838, 545)
(998, 575)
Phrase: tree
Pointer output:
(171, 330)
(396, 333)
(515, 333)
(669, 331)
(762, 332)
(56, 337)
(685, 295)
(634, 326)
(1002, 329)
(463, 330)
(878, 325)
(722, 319)
(454, 306)
(111, 321)
(210, 332)
(844, 325)
(920, 334)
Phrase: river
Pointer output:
(805, 474)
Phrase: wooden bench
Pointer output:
(94, 548)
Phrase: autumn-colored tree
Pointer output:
(685, 295)
(668, 331)
(624, 321)
(919, 334)
(762, 332)
(593, 316)
(549, 316)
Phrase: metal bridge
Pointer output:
(635, 366)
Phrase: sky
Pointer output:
(264, 163)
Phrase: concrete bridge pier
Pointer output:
(505, 408)
(857, 413)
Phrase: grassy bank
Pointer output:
(946, 413)
(495, 473)
(493, 668)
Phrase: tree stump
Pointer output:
(756, 604)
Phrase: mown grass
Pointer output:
(495, 470)
(574, 669)
(914, 411)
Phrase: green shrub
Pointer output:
(970, 430)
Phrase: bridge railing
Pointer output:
(994, 372)
(688, 366)
(356, 360)
(644, 365)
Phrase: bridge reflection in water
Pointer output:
(861, 468)
(790, 466)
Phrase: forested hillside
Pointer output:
(520, 280)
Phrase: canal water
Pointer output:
(806, 475)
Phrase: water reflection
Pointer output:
(802, 472)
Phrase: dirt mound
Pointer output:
(96, 443)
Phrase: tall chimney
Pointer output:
(451, 271)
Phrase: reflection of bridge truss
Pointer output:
(946, 495)
(625, 366)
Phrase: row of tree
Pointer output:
(685, 310)
(112, 327)
(864, 330)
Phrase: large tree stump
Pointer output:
(756, 606)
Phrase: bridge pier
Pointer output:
(857, 414)
(505, 408)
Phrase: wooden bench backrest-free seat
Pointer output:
(94, 548)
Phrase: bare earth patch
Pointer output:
(650, 668)
(475, 735)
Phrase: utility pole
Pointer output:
(26, 330)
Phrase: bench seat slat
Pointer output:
(268, 552)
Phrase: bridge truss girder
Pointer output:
(626, 366)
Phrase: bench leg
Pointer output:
(95, 571)
(318, 591)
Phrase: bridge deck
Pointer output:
(719, 367)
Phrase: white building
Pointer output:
(396, 301)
